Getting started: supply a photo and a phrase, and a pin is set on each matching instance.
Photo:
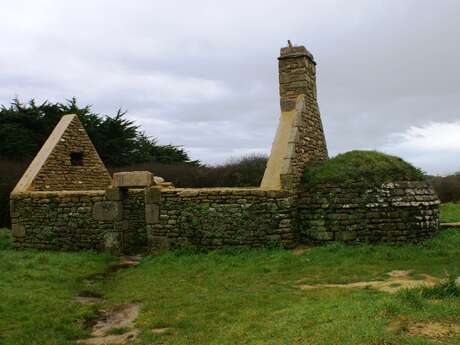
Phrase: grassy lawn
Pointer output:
(232, 297)
(37, 292)
(450, 212)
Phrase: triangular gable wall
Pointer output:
(67, 161)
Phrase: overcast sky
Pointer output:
(203, 74)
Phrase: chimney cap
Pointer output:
(292, 51)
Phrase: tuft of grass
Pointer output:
(450, 212)
(118, 331)
(445, 289)
(366, 167)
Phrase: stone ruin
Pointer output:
(67, 200)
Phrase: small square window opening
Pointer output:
(76, 158)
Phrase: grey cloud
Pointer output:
(203, 74)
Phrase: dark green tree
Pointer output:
(25, 127)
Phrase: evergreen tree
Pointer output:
(25, 127)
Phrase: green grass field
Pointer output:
(450, 212)
(233, 297)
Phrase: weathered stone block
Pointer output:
(107, 210)
(112, 243)
(188, 193)
(114, 194)
(152, 195)
(152, 213)
(132, 179)
(18, 230)
(346, 236)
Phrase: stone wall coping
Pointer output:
(388, 185)
(186, 191)
(45, 194)
(226, 191)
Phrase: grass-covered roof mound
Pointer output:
(367, 167)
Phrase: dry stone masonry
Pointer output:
(300, 136)
(67, 161)
(392, 212)
(67, 200)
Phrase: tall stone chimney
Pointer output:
(300, 135)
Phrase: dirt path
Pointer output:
(115, 325)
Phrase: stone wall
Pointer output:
(58, 220)
(215, 218)
(393, 212)
(140, 220)
(92, 220)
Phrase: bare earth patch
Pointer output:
(117, 319)
(89, 298)
(164, 330)
(121, 317)
(396, 280)
(433, 330)
(299, 250)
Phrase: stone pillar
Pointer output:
(17, 229)
(300, 136)
(110, 213)
(152, 212)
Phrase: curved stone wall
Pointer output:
(393, 212)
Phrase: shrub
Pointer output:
(447, 188)
(246, 171)
(367, 167)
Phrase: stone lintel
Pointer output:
(133, 179)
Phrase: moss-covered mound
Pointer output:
(367, 167)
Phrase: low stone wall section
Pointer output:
(216, 218)
(60, 220)
(393, 212)
(133, 220)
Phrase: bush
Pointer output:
(367, 167)
(447, 188)
(243, 172)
